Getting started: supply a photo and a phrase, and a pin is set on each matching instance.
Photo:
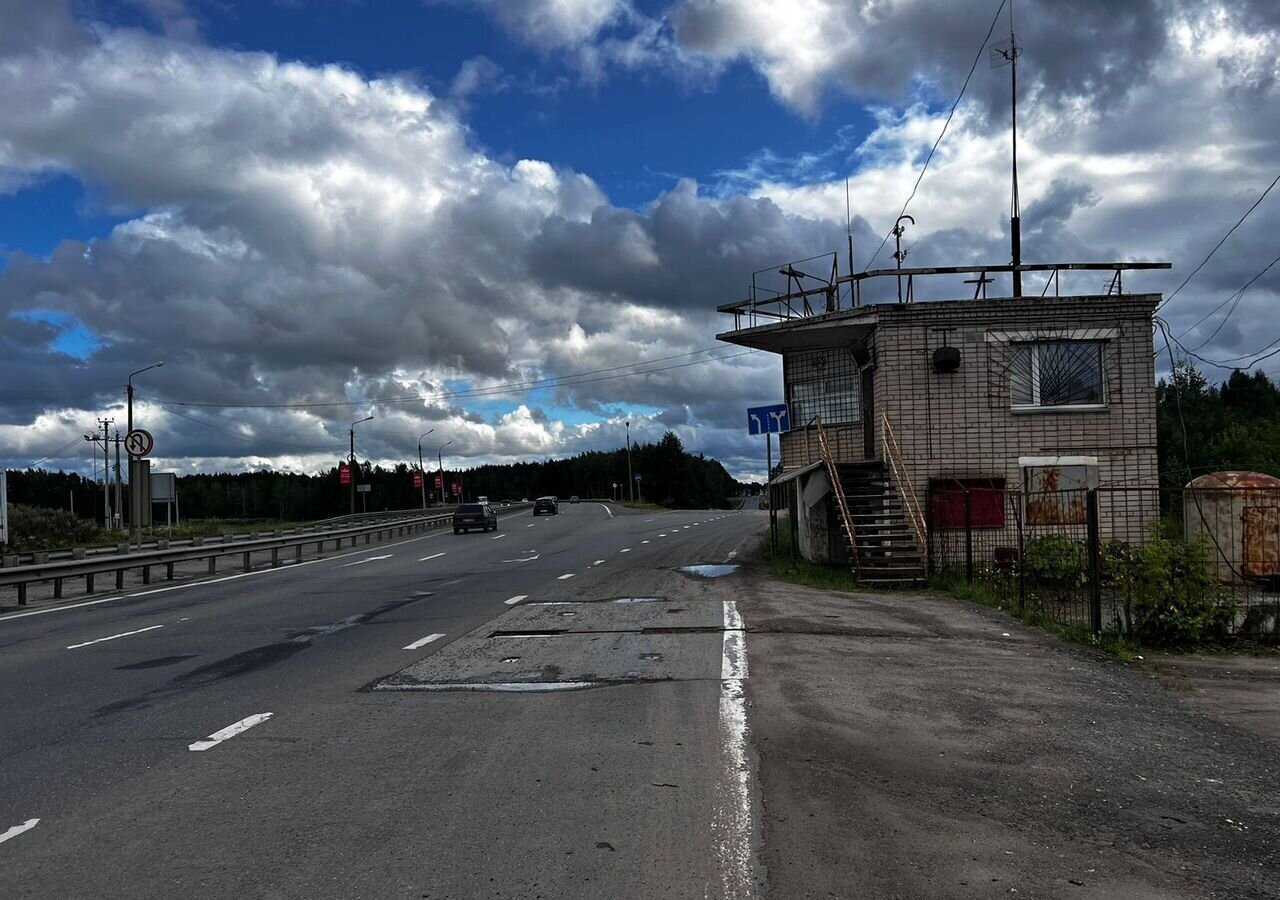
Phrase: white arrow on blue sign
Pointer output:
(768, 419)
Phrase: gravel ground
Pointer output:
(914, 746)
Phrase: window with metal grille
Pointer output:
(1057, 374)
(825, 383)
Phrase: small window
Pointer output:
(1057, 489)
(836, 399)
(947, 502)
(1050, 374)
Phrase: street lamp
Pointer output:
(440, 462)
(421, 473)
(631, 482)
(351, 461)
(129, 387)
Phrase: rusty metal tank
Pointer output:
(1239, 513)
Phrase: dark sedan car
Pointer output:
(547, 505)
(474, 515)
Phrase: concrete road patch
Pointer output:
(577, 644)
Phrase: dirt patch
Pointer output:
(924, 747)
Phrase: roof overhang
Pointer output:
(809, 333)
(791, 474)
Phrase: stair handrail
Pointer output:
(837, 489)
(898, 471)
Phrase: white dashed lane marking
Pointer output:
(112, 637)
(567, 575)
(19, 829)
(422, 642)
(516, 599)
(230, 731)
(432, 556)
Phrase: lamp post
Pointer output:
(421, 473)
(129, 388)
(631, 484)
(440, 462)
(351, 461)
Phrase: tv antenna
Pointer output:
(1006, 53)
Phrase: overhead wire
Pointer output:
(572, 380)
(1216, 246)
(945, 125)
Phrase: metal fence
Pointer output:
(1151, 562)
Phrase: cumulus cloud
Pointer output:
(304, 234)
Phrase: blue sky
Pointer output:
(634, 136)
(294, 240)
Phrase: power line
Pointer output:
(1238, 296)
(1219, 244)
(494, 390)
(945, 125)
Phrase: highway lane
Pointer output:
(336, 791)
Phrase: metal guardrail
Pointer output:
(39, 556)
(58, 571)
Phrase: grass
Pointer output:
(981, 593)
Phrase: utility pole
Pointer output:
(631, 484)
(119, 491)
(351, 462)
(421, 471)
(440, 462)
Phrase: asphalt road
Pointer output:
(223, 739)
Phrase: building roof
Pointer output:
(844, 326)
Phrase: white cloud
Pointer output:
(303, 234)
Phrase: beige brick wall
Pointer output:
(962, 424)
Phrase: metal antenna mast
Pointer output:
(1003, 54)
(848, 219)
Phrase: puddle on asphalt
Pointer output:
(710, 571)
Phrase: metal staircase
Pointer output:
(882, 526)
(884, 548)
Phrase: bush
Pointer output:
(33, 528)
(1172, 598)
(1056, 560)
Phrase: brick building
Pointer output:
(922, 403)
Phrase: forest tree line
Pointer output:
(1230, 426)
(669, 476)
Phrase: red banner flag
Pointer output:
(417, 480)
(344, 473)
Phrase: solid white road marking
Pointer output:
(516, 599)
(565, 576)
(368, 559)
(230, 731)
(422, 642)
(606, 509)
(19, 829)
(432, 556)
(113, 637)
(731, 816)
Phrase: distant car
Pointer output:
(573, 499)
(546, 505)
(474, 515)
(482, 500)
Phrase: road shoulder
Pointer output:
(914, 746)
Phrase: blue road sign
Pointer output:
(768, 419)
